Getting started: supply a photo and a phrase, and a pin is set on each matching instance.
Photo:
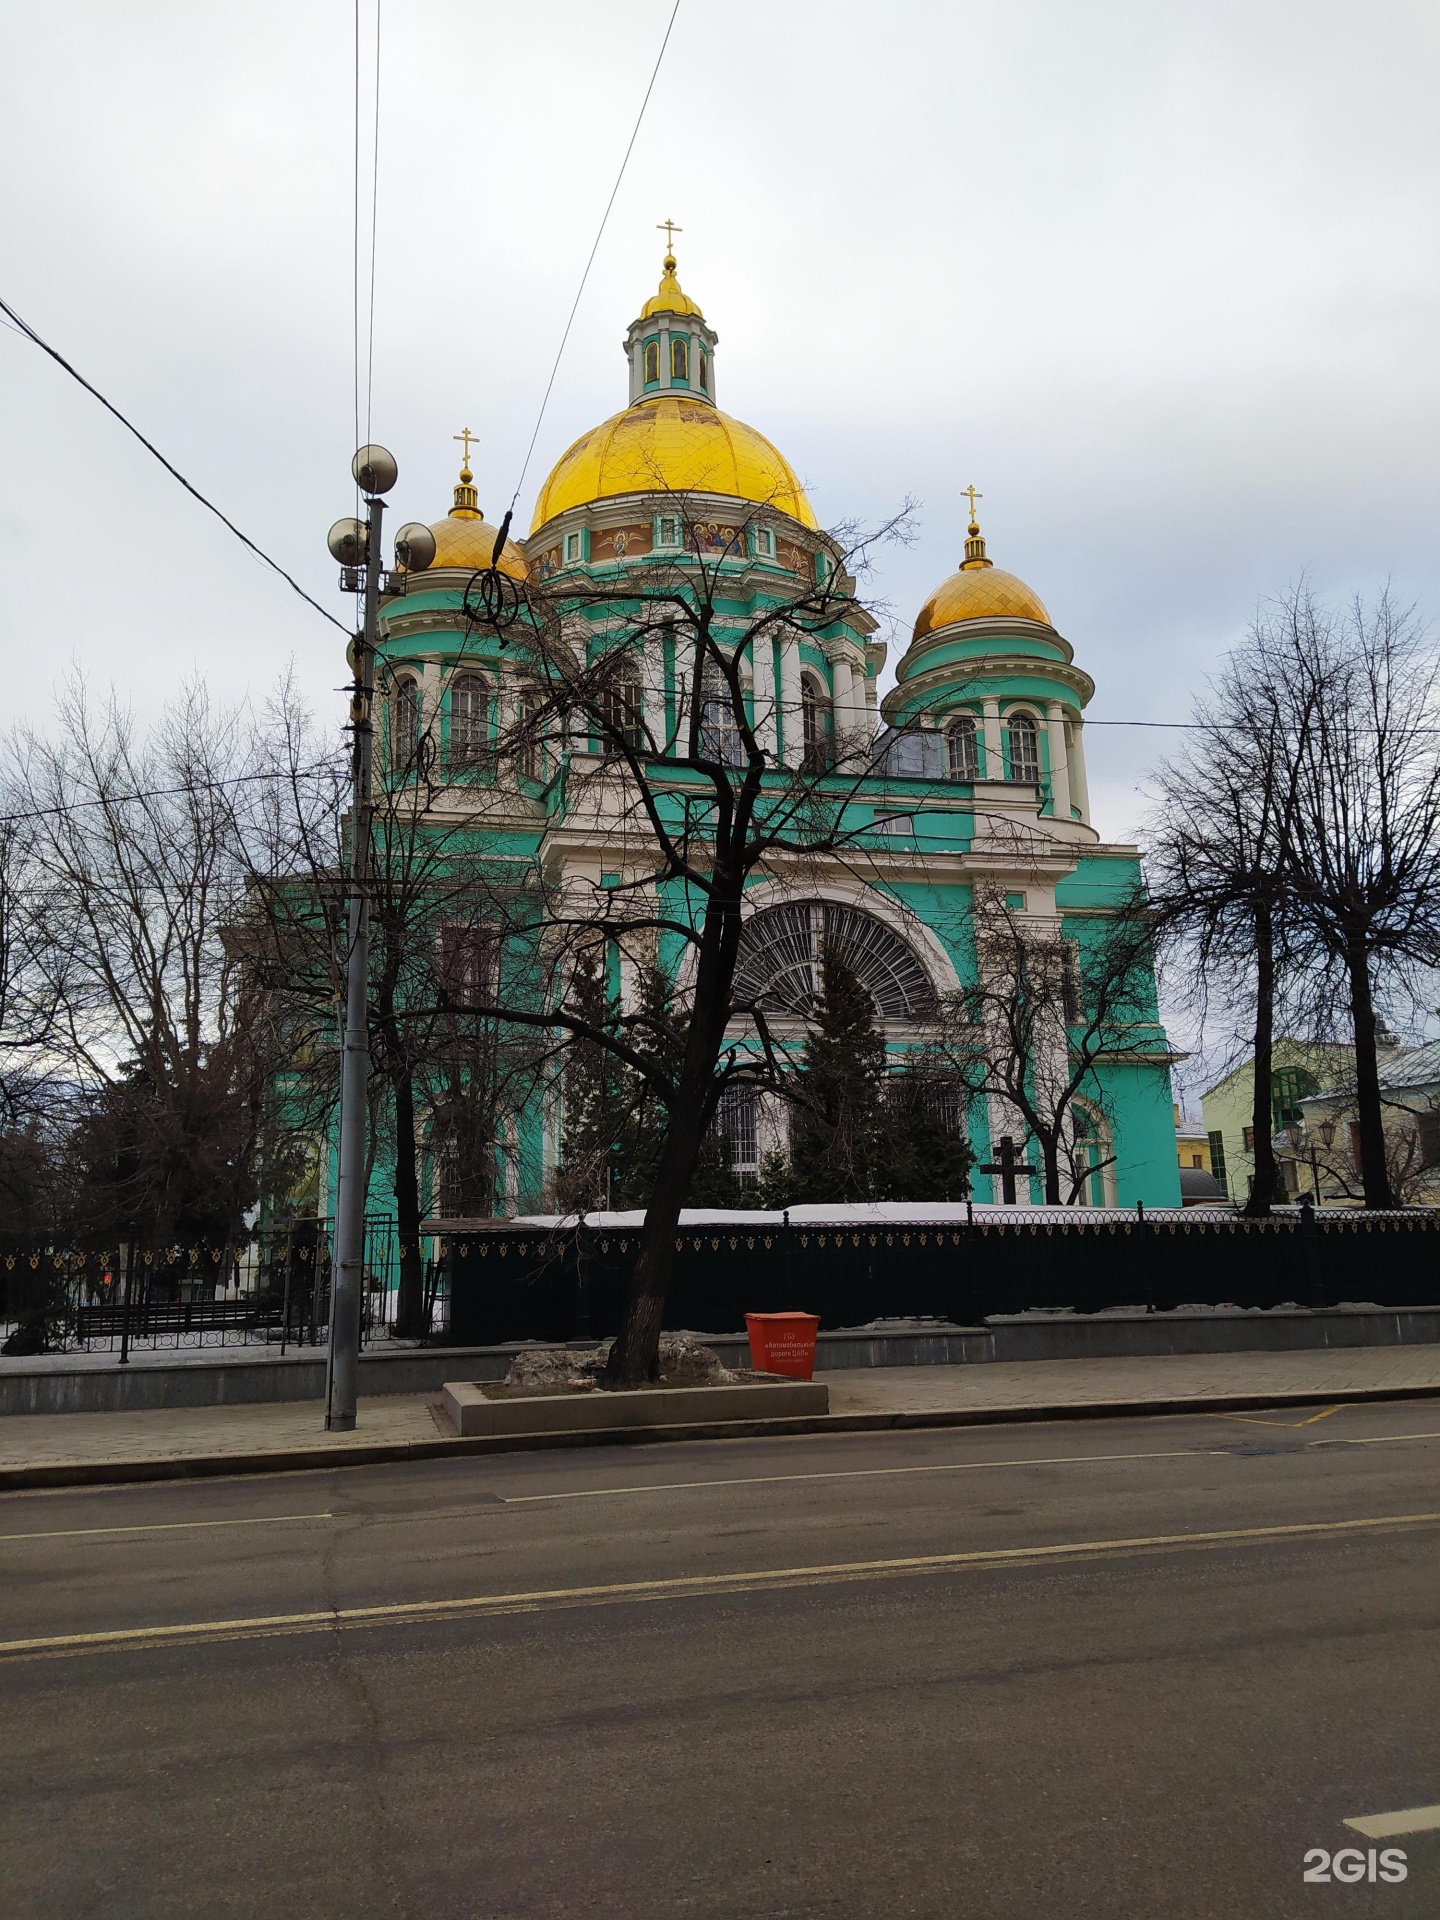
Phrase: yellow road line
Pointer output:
(1386, 1826)
(1253, 1420)
(406, 1612)
(165, 1526)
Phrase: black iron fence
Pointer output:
(511, 1283)
(270, 1289)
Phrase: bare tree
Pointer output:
(691, 800)
(1048, 1013)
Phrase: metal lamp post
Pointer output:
(356, 545)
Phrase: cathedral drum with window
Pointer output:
(976, 788)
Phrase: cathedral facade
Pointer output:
(976, 753)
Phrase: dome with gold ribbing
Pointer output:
(465, 539)
(672, 439)
(979, 590)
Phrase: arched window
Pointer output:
(405, 725)
(815, 724)
(469, 719)
(680, 358)
(529, 733)
(1024, 747)
(782, 953)
(704, 371)
(617, 713)
(963, 744)
(1089, 1161)
(720, 737)
(652, 362)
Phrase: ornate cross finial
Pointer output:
(669, 229)
(975, 494)
(466, 437)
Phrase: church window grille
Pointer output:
(469, 965)
(720, 737)
(652, 362)
(469, 720)
(964, 749)
(815, 726)
(737, 1127)
(680, 359)
(1024, 747)
(781, 961)
(617, 713)
(405, 725)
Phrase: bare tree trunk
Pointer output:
(1050, 1154)
(1263, 1194)
(409, 1307)
(1374, 1168)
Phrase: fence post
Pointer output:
(125, 1303)
(1310, 1236)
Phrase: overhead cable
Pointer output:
(175, 473)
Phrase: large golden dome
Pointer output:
(672, 444)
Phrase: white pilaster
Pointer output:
(994, 768)
(1059, 760)
(762, 680)
(790, 717)
(1079, 785)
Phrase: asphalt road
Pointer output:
(999, 1672)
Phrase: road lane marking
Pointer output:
(166, 1526)
(687, 1586)
(1386, 1826)
(1374, 1439)
(1253, 1420)
(857, 1473)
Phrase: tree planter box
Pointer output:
(471, 1410)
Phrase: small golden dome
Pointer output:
(980, 593)
(670, 444)
(466, 539)
(671, 298)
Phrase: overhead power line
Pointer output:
(24, 327)
(285, 774)
(599, 236)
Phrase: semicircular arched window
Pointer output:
(679, 358)
(963, 744)
(1024, 747)
(781, 960)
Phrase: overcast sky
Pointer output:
(1160, 280)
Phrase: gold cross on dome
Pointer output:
(975, 494)
(466, 437)
(669, 229)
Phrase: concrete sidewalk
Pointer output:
(76, 1449)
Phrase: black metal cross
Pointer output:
(1007, 1166)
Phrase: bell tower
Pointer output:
(670, 348)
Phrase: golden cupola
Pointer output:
(465, 539)
(979, 590)
(672, 438)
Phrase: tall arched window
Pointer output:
(617, 713)
(405, 724)
(815, 724)
(704, 371)
(963, 745)
(652, 362)
(719, 723)
(1089, 1160)
(1024, 747)
(680, 358)
(469, 719)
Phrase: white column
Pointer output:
(790, 717)
(652, 686)
(762, 680)
(1059, 760)
(1079, 785)
(842, 681)
(994, 768)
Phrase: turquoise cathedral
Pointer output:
(981, 741)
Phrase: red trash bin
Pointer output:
(783, 1343)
